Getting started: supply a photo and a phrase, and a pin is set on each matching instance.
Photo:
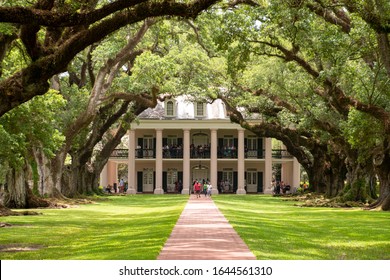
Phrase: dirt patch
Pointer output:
(13, 248)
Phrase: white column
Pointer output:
(186, 161)
(131, 173)
(268, 166)
(104, 177)
(159, 162)
(241, 162)
(214, 161)
(296, 174)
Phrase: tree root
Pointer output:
(316, 200)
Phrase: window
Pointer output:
(252, 149)
(228, 141)
(148, 176)
(148, 147)
(251, 177)
(199, 109)
(172, 177)
(172, 140)
(169, 108)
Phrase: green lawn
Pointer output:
(276, 229)
(118, 228)
(136, 228)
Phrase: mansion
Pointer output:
(180, 141)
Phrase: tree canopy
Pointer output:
(314, 73)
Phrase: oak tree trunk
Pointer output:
(17, 185)
(382, 168)
(357, 187)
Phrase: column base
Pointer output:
(131, 191)
(214, 192)
(185, 191)
(241, 191)
(160, 191)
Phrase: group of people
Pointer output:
(122, 188)
(203, 186)
(279, 187)
(200, 151)
(228, 152)
(172, 151)
(225, 187)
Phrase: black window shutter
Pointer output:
(235, 181)
(165, 181)
(139, 181)
(260, 182)
(220, 148)
(260, 147)
(140, 153)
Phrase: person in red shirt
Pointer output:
(197, 189)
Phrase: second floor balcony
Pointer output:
(195, 153)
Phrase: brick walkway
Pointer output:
(203, 233)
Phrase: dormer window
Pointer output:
(200, 109)
(170, 108)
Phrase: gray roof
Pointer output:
(185, 109)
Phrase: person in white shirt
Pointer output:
(209, 189)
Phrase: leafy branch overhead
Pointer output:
(51, 49)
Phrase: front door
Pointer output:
(227, 181)
(251, 181)
(148, 180)
(200, 173)
(171, 179)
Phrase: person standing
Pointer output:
(115, 187)
(197, 189)
(209, 189)
(180, 186)
(205, 187)
(121, 185)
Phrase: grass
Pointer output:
(276, 229)
(136, 228)
(117, 228)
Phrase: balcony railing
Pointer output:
(178, 153)
(145, 153)
(227, 152)
(200, 151)
(259, 154)
(281, 154)
(173, 152)
(120, 153)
